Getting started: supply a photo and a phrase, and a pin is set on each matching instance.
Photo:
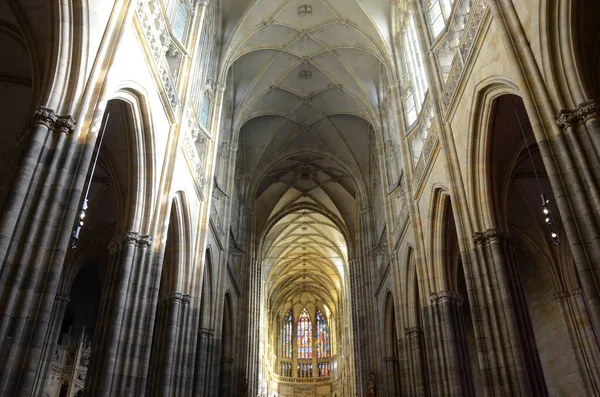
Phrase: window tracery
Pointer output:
(286, 337)
(415, 80)
(323, 346)
(205, 67)
(438, 12)
(304, 335)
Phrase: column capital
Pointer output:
(490, 235)
(130, 238)
(566, 118)
(65, 124)
(444, 296)
(144, 241)
(44, 116)
(561, 296)
(186, 299)
(412, 331)
(63, 298)
(207, 332)
(203, 3)
(585, 111)
(588, 110)
(175, 297)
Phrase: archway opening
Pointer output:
(524, 206)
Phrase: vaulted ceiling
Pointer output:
(306, 77)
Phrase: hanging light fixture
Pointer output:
(84, 205)
(545, 202)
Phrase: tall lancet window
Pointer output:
(323, 347)
(415, 79)
(304, 335)
(286, 336)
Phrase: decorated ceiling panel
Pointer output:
(305, 76)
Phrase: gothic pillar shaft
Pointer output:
(35, 229)
(103, 370)
(585, 344)
(391, 376)
(44, 118)
(226, 380)
(58, 313)
(508, 357)
(416, 353)
(453, 376)
(168, 344)
(202, 360)
(130, 339)
(185, 351)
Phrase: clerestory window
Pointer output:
(415, 80)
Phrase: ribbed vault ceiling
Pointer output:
(306, 76)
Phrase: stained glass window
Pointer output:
(323, 347)
(286, 336)
(304, 335)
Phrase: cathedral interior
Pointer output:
(300, 198)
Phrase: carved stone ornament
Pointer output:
(207, 332)
(44, 116)
(588, 110)
(65, 124)
(305, 10)
(63, 298)
(306, 74)
(175, 297)
(447, 296)
(131, 238)
(412, 331)
(566, 118)
(585, 112)
(560, 296)
(483, 238)
(145, 241)
(371, 385)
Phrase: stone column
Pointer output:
(508, 357)
(452, 375)
(391, 379)
(35, 229)
(583, 338)
(57, 316)
(416, 352)
(201, 384)
(113, 358)
(163, 360)
(185, 351)
(226, 380)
